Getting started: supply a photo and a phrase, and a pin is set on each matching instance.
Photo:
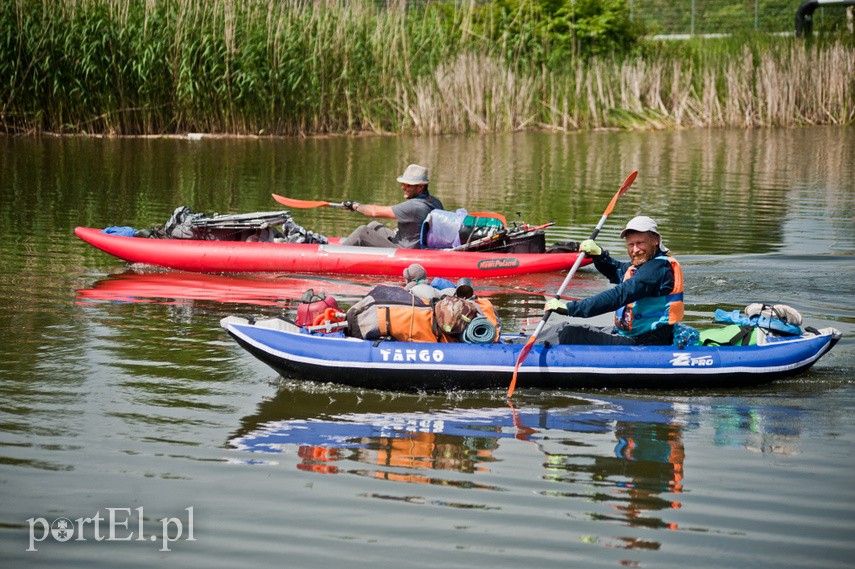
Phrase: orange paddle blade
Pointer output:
(621, 191)
(299, 204)
(520, 359)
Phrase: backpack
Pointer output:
(259, 226)
(441, 229)
(685, 336)
(392, 312)
(180, 223)
(453, 314)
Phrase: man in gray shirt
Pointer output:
(410, 214)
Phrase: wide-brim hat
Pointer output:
(644, 224)
(414, 175)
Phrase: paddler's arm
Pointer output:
(371, 210)
(654, 278)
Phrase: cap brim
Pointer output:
(628, 229)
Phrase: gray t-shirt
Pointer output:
(410, 215)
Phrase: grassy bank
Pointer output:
(274, 67)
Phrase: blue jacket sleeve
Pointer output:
(653, 278)
(610, 268)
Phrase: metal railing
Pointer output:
(680, 18)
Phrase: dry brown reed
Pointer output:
(788, 86)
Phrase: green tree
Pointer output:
(594, 27)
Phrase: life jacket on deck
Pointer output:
(647, 314)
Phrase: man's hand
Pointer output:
(590, 248)
(557, 306)
(350, 205)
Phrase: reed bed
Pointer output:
(280, 67)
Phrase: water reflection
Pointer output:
(150, 285)
(769, 187)
(258, 290)
(639, 481)
(399, 445)
(626, 454)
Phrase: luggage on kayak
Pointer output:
(464, 318)
(732, 335)
(685, 336)
(759, 323)
(782, 312)
(312, 306)
(441, 229)
(479, 225)
(460, 229)
(392, 312)
(778, 319)
(453, 314)
(480, 231)
(273, 226)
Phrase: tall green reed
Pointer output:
(280, 67)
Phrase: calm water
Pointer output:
(121, 396)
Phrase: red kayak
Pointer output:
(259, 257)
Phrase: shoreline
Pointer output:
(199, 136)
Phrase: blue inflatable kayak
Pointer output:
(410, 366)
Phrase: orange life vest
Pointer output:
(652, 312)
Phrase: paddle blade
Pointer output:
(520, 359)
(621, 191)
(299, 204)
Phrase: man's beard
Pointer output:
(640, 260)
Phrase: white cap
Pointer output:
(414, 175)
(644, 224)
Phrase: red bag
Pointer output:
(312, 305)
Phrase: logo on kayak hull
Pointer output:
(411, 355)
(493, 264)
(686, 360)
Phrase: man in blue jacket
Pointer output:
(648, 298)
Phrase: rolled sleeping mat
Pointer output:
(479, 331)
